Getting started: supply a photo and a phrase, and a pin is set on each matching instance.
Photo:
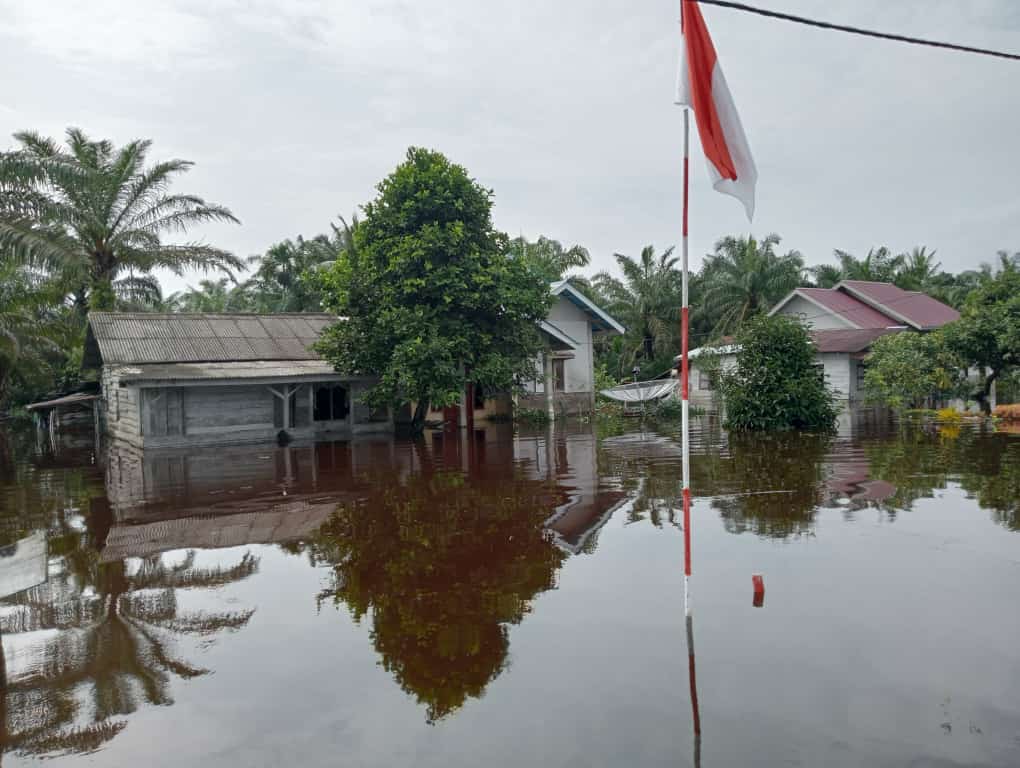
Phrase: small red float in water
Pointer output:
(758, 582)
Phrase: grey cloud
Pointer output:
(293, 111)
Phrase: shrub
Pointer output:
(906, 369)
(776, 384)
(948, 415)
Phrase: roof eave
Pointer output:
(611, 326)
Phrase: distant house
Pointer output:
(567, 365)
(845, 321)
(172, 380)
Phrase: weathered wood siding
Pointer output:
(228, 409)
(120, 407)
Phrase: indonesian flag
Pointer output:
(701, 86)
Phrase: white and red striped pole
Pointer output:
(685, 374)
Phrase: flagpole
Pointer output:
(685, 374)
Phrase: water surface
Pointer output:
(515, 599)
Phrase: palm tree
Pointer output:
(879, 266)
(28, 327)
(826, 275)
(111, 637)
(647, 300)
(93, 212)
(212, 296)
(918, 269)
(745, 277)
(550, 259)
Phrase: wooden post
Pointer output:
(550, 405)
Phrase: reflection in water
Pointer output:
(444, 567)
(438, 548)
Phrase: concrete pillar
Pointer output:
(550, 405)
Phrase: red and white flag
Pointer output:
(701, 86)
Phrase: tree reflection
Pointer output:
(445, 563)
(920, 461)
(769, 485)
(99, 640)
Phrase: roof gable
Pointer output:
(124, 338)
(913, 308)
(601, 320)
(841, 305)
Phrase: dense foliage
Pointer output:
(987, 335)
(776, 384)
(96, 213)
(431, 299)
(908, 370)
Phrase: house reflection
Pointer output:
(444, 543)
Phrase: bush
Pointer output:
(776, 384)
(948, 415)
(906, 369)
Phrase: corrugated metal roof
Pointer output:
(848, 307)
(918, 309)
(118, 338)
(290, 369)
(849, 340)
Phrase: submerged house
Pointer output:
(844, 321)
(171, 380)
(567, 366)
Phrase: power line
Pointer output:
(858, 31)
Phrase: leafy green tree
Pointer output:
(92, 213)
(431, 300)
(647, 301)
(549, 258)
(903, 370)
(776, 384)
(746, 277)
(987, 335)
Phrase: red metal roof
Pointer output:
(917, 308)
(848, 341)
(848, 307)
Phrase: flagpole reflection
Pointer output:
(693, 681)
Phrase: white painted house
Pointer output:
(568, 366)
(844, 321)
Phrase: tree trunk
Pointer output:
(421, 411)
(101, 295)
(984, 394)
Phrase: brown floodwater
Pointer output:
(507, 599)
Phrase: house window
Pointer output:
(861, 370)
(559, 375)
(331, 403)
(479, 396)
(705, 380)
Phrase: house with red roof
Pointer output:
(845, 321)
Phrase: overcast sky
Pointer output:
(293, 111)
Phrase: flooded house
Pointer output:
(566, 385)
(844, 321)
(179, 380)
